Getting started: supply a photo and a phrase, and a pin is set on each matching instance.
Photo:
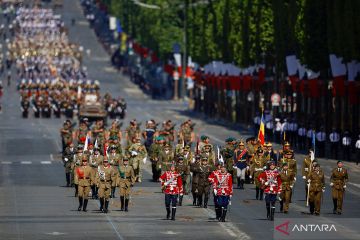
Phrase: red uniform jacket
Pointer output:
(222, 183)
(171, 183)
(271, 181)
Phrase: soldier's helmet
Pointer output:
(80, 147)
(204, 137)
(180, 158)
(204, 159)
(197, 158)
(271, 163)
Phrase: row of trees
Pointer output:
(246, 32)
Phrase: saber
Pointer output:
(308, 193)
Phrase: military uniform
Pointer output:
(66, 135)
(208, 152)
(138, 155)
(305, 170)
(114, 160)
(316, 182)
(105, 180)
(184, 170)
(126, 179)
(154, 155)
(228, 154)
(204, 170)
(131, 132)
(240, 162)
(194, 168)
(166, 158)
(95, 160)
(68, 157)
(339, 178)
(98, 133)
(257, 167)
(84, 179)
(287, 181)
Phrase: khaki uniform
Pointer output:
(204, 172)
(166, 159)
(98, 133)
(287, 181)
(188, 158)
(131, 133)
(138, 153)
(305, 170)
(339, 178)
(194, 168)
(154, 155)
(256, 168)
(184, 170)
(317, 183)
(68, 158)
(126, 178)
(84, 179)
(105, 179)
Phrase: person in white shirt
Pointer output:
(346, 143)
(334, 138)
(357, 147)
(278, 128)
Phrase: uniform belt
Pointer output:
(127, 178)
(259, 169)
(84, 178)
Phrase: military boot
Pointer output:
(76, 190)
(101, 204)
(257, 193)
(67, 179)
(281, 206)
(223, 215)
(261, 194)
(335, 205)
(173, 212)
(80, 203)
(93, 191)
(106, 206)
(268, 212)
(85, 205)
(199, 203)
(126, 205)
(238, 182)
(272, 213)
(194, 199)
(180, 200)
(167, 213)
(122, 199)
(112, 192)
(218, 213)
(312, 208)
(242, 184)
(206, 199)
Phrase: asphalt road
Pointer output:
(34, 204)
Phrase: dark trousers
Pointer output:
(170, 199)
(223, 201)
(155, 171)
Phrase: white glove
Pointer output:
(309, 180)
(144, 160)
(331, 184)
(234, 167)
(323, 189)
(306, 169)
(279, 198)
(344, 186)
(134, 153)
(66, 159)
(181, 194)
(215, 191)
(165, 184)
(250, 177)
(230, 203)
(160, 166)
(247, 167)
(304, 177)
(291, 186)
(266, 183)
(294, 178)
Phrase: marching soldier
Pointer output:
(149, 133)
(98, 133)
(208, 152)
(168, 131)
(306, 168)
(223, 189)
(287, 180)
(132, 131)
(339, 178)
(188, 155)
(204, 141)
(172, 186)
(316, 185)
(194, 168)
(126, 182)
(187, 132)
(68, 158)
(105, 179)
(269, 153)
(212, 177)
(80, 134)
(138, 155)
(114, 160)
(271, 183)
(84, 179)
(257, 168)
(96, 159)
(114, 131)
(240, 162)
(66, 134)
(76, 163)
(228, 154)
(166, 157)
(184, 170)
(204, 171)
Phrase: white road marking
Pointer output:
(26, 162)
(51, 157)
(6, 162)
(170, 233)
(56, 233)
(45, 162)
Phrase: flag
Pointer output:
(87, 141)
(261, 135)
(96, 144)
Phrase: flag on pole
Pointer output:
(96, 144)
(87, 141)
(261, 135)
(313, 141)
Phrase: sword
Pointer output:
(308, 193)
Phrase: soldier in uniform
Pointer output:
(228, 154)
(212, 179)
(84, 179)
(95, 159)
(80, 134)
(339, 178)
(114, 160)
(240, 162)
(271, 183)
(208, 152)
(132, 131)
(194, 168)
(114, 131)
(306, 168)
(257, 168)
(287, 180)
(154, 154)
(172, 186)
(105, 179)
(184, 170)
(149, 133)
(223, 189)
(188, 155)
(76, 163)
(66, 134)
(126, 182)
(204, 170)
(138, 155)
(316, 185)
(187, 133)
(68, 157)
(204, 141)
(166, 157)
(98, 133)
(168, 131)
